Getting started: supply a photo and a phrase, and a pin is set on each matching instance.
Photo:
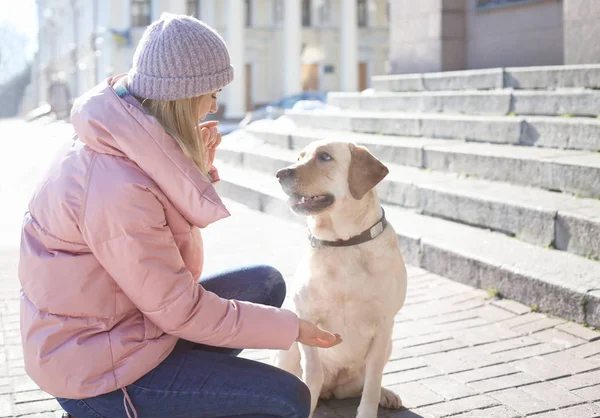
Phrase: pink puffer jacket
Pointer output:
(111, 254)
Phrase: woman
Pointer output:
(114, 322)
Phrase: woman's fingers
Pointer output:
(208, 124)
(210, 136)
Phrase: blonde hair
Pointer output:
(179, 118)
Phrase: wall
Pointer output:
(581, 31)
(514, 36)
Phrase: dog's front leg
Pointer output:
(374, 364)
(312, 373)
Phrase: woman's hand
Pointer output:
(212, 139)
(313, 336)
(210, 134)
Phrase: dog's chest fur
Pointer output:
(352, 291)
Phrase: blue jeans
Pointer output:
(200, 381)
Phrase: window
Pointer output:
(193, 8)
(140, 12)
(277, 11)
(362, 13)
(324, 9)
(248, 13)
(492, 4)
(306, 11)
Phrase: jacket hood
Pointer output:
(109, 125)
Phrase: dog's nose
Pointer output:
(285, 172)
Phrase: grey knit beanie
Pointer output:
(179, 57)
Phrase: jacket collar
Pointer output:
(110, 125)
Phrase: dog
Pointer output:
(353, 281)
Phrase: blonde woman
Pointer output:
(114, 321)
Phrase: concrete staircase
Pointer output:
(494, 175)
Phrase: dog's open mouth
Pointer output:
(307, 204)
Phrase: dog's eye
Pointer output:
(323, 156)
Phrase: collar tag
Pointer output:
(376, 230)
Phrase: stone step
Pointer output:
(546, 132)
(576, 172)
(537, 216)
(499, 102)
(556, 282)
(546, 77)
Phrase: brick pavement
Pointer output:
(456, 352)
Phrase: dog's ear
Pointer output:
(365, 171)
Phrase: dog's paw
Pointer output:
(326, 395)
(389, 399)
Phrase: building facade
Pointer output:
(278, 47)
(447, 35)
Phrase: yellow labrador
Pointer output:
(354, 280)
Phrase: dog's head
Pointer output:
(328, 173)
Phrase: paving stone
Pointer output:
(540, 368)
(6, 406)
(448, 362)
(525, 352)
(510, 344)
(557, 338)
(464, 327)
(485, 334)
(31, 396)
(477, 357)
(512, 306)
(43, 415)
(485, 373)
(520, 401)
(324, 411)
(492, 313)
(393, 365)
(503, 382)
(568, 362)
(594, 359)
(36, 407)
(553, 395)
(579, 411)
(579, 381)
(580, 331)
(421, 340)
(432, 348)
(459, 405)
(493, 412)
(448, 387)
(452, 317)
(522, 319)
(590, 393)
(410, 375)
(414, 394)
(536, 326)
(585, 350)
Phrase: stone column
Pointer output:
(207, 12)
(348, 70)
(292, 43)
(427, 36)
(236, 91)
(581, 20)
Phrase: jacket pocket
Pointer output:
(151, 330)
